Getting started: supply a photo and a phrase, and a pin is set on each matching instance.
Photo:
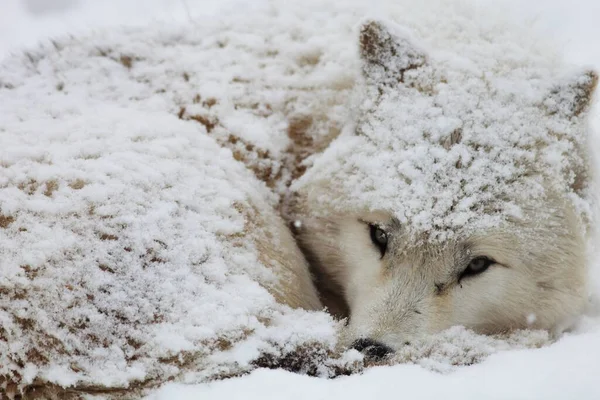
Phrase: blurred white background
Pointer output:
(24, 22)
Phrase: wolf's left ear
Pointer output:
(386, 53)
(573, 96)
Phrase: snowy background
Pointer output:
(567, 369)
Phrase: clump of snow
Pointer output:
(458, 346)
(531, 318)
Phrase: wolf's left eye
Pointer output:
(379, 238)
(476, 266)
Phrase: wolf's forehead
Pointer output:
(446, 165)
(453, 157)
(427, 109)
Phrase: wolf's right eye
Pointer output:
(379, 238)
(476, 266)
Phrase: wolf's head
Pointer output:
(459, 198)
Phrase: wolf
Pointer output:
(460, 195)
(457, 199)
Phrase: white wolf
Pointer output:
(459, 199)
(136, 248)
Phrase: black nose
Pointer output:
(372, 349)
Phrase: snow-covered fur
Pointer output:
(130, 255)
(461, 198)
(134, 248)
(141, 171)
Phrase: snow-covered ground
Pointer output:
(567, 369)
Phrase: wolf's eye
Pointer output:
(476, 266)
(379, 238)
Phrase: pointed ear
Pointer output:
(573, 96)
(387, 53)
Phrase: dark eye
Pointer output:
(379, 238)
(476, 266)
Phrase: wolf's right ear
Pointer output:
(386, 54)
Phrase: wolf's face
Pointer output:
(435, 213)
(520, 275)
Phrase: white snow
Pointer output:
(97, 151)
(565, 370)
(531, 319)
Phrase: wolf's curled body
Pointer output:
(439, 176)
